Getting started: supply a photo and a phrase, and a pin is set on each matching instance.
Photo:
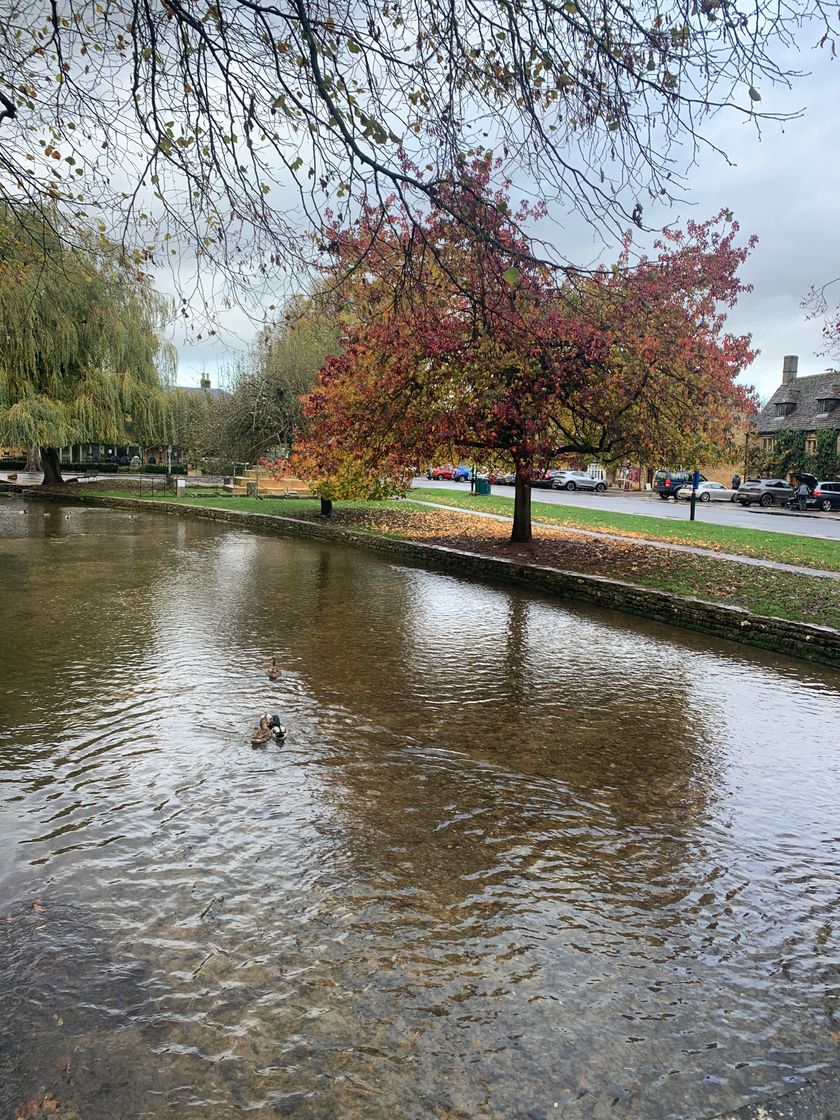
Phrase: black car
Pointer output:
(826, 496)
(667, 483)
(545, 480)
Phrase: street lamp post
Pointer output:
(695, 480)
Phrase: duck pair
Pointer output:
(268, 728)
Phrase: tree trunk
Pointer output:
(521, 533)
(326, 507)
(33, 460)
(51, 467)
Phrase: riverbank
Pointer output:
(788, 548)
(778, 610)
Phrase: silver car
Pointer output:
(577, 480)
(709, 492)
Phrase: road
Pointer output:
(776, 520)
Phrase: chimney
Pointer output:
(205, 380)
(791, 365)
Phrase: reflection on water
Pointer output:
(513, 860)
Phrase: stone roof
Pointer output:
(216, 394)
(806, 400)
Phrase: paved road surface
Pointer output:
(651, 505)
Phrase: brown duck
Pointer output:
(268, 728)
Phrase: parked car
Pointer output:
(709, 492)
(826, 496)
(765, 491)
(578, 480)
(544, 479)
(454, 474)
(505, 478)
(667, 483)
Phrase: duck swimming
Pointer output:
(269, 728)
(274, 670)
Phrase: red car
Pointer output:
(456, 474)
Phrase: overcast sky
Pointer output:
(782, 185)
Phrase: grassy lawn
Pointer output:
(760, 590)
(220, 499)
(784, 547)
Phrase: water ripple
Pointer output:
(508, 858)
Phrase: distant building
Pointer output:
(204, 386)
(799, 427)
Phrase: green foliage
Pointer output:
(827, 458)
(81, 358)
(789, 454)
(262, 412)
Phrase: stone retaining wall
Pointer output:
(797, 639)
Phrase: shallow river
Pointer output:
(514, 860)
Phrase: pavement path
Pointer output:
(665, 545)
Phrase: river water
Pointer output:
(515, 859)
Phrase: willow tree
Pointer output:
(81, 356)
(262, 412)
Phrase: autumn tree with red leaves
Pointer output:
(464, 345)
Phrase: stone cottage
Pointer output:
(799, 427)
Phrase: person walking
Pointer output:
(803, 493)
(736, 481)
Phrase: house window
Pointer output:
(767, 443)
(784, 408)
(811, 444)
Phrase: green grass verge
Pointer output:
(810, 552)
(219, 499)
(763, 591)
